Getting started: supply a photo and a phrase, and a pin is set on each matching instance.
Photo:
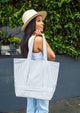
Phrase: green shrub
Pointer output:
(3, 38)
(15, 41)
(10, 39)
(62, 24)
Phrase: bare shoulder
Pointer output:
(39, 40)
(39, 43)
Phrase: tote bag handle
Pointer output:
(44, 48)
(30, 53)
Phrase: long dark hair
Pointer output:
(27, 33)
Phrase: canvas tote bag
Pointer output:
(35, 78)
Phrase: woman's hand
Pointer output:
(38, 32)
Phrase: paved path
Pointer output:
(64, 106)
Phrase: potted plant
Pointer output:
(9, 41)
(14, 42)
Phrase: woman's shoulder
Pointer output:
(38, 39)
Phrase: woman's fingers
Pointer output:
(38, 32)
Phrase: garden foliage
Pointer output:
(62, 24)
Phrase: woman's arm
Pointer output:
(50, 53)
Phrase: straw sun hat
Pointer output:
(29, 15)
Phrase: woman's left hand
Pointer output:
(38, 32)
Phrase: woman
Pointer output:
(33, 24)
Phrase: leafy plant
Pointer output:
(3, 38)
(15, 41)
(62, 24)
(9, 39)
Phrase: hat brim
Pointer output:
(41, 13)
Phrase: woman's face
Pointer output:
(39, 23)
